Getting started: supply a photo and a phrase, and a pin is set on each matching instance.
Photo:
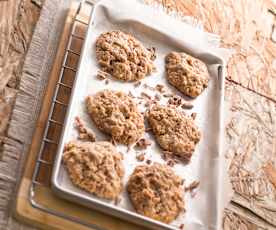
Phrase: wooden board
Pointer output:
(24, 211)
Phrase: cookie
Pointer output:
(123, 56)
(156, 192)
(95, 167)
(116, 113)
(175, 132)
(186, 73)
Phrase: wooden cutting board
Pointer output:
(24, 211)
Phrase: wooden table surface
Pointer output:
(245, 26)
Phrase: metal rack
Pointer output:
(46, 155)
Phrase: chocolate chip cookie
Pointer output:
(116, 113)
(188, 74)
(123, 56)
(156, 192)
(175, 132)
(95, 167)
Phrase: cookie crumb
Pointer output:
(160, 88)
(170, 163)
(101, 75)
(143, 143)
(175, 100)
(146, 86)
(192, 186)
(152, 50)
(145, 96)
(157, 97)
(148, 161)
(181, 226)
(168, 95)
(138, 83)
(193, 115)
(187, 105)
(130, 94)
(85, 133)
(140, 157)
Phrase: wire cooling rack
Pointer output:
(46, 155)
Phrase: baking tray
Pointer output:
(205, 165)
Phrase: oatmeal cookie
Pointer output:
(123, 56)
(188, 74)
(174, 131)
(156, 192)
(95, 167)
(115, 113)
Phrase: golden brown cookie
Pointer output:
(123, 56)
(156, 192)
(95, 167)
(116, 113)
(186, 73)
(174, 131)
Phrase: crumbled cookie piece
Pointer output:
(160, 88)
(193, 116)
(175, 100)
(123, 56)
(157, 97)
(156, 192)
(85, 133)
(138, 83)
(140, 157)
(152, 50)
(115, 113)
(168, 95)
(143, 143)
(95, 167)
(144, 95)
(187, 105)
(174, 132)
(192, 186)
(188, 74)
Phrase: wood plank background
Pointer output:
(248, 27)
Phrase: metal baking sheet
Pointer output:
(154, 29)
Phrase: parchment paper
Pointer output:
(156, 29)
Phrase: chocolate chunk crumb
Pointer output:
(106, 81)
(181, 226)
(148, 162)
